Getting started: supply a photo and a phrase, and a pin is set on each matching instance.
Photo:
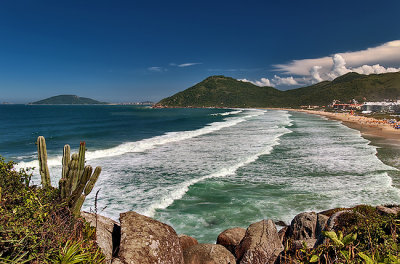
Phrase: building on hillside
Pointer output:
(381, 107)
(352, 105)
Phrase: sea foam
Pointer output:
(150, 143)
(181, 189)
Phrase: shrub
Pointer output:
(36, 225)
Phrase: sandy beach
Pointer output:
(369, 127)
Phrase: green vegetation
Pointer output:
(37, 226)
(363, 235)
(221, 91)
(67, 100)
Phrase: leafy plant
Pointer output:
(35, 224)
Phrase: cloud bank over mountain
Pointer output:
(381, 59)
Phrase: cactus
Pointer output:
(92, 181)
(76, 208)
(43, 168)
(77, 180)
(65, 161)
(72, 173)
(81, 160)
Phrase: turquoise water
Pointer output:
(204, 170)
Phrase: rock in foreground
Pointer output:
(208, 254)
(147, 241)
(230, 238)
(261, 244)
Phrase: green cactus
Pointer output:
(77, 180)
(65, 161)
(42, 157)
(86, 185)
(76, 208)
(72, 173)
(81, 185)
(81, 159)
(92, 181)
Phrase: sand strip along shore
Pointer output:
(369, 127)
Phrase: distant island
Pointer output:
(67, 100)
(221, 91)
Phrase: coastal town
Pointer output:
(382, 114)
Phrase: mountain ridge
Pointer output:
(221, 91)
(67, 99)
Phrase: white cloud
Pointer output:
(276, 81)
(339, 68)
(187, 64)
(284, 81)
(314, 72)
(262, 82)
(156, 69)
(387, 53)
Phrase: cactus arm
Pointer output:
(92, 181)
(74, 173)
(65, 161)
(81, 159)
(76, 208)
(42, 157)
(62, 186)
(71, 172)
(82, 183)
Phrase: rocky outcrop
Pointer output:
(261, 244)
(143, 240)
(230, 238)
(388, 210)
(282, 233)
(303, 226)
(187, 241)
(208, 254)
(107, 233)
(147, 241)
(306, 228)
(322, 220)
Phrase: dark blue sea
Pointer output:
(205, 170)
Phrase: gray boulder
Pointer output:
(208, 254)
(107, 232)
(147, 241)
(261, 244)
(230, 238)
(303, 226)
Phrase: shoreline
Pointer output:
(369, 127)
(385, 138)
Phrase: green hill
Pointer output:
(221, 91)
(68, 100)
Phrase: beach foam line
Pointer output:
(181, 189)
(150, 143)
(228, 113)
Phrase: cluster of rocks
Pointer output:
(141, 239)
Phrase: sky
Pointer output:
(129, 51)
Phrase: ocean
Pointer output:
(204, 170)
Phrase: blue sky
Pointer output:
(121, 51)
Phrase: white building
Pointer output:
(383, 107)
